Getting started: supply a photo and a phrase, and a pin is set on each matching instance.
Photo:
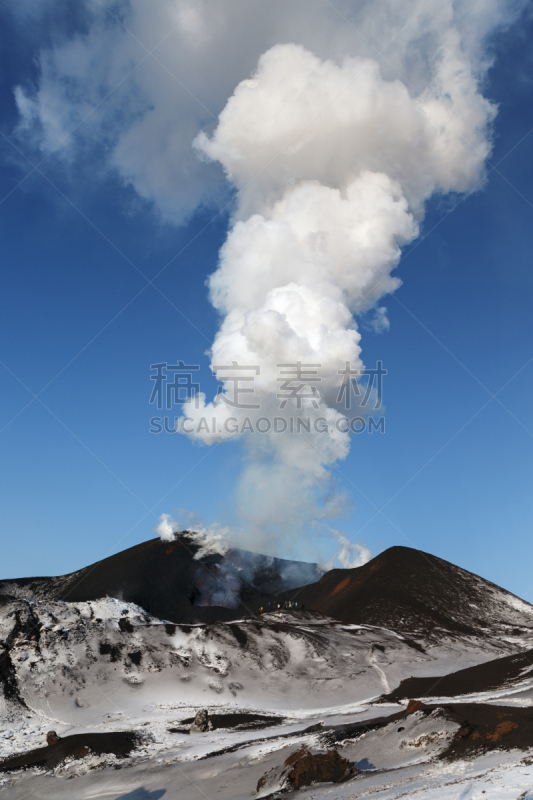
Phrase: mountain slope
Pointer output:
(417, 593)
(105, 669)
(403, 589)
(174, 580)
(509, 673)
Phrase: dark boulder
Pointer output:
(52, 738)
(201, 723)
(303, 768)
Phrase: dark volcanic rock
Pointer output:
(230, 721)
(407, 590)
(496, 674)
(121, 743)
(412, 706)
(480, 727)
(166, 580)
(415, 592)
(201, 723)
(303, 768)
(488, 727)
(308, 768)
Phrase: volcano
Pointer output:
(174, 581)
(418, 593)
(407, 665)
(403, 589)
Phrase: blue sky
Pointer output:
(82, 477)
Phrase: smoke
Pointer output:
(220, 583)
(348, 159)
(333, 125)
(350, 555)
(166, 530)
(223, 575)
(220, 586)
(379, 322)
(139, 119)
(210, 539)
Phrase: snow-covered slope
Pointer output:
(68, 659)
(285, 679)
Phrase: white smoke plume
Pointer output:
(342, 120)
(219, 585)
(349, 159)
(211, 539)
(166, 530)
(350, 555)
(140, 80)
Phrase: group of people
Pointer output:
(288, 604)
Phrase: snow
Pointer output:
(89, 671)
(517, 603)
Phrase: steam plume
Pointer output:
(333, 164)
(333, 159)
(166, 529)
(350, 555)
(211, 539)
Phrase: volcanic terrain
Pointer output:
(415, 592)
(406, 677)
(175, 580)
